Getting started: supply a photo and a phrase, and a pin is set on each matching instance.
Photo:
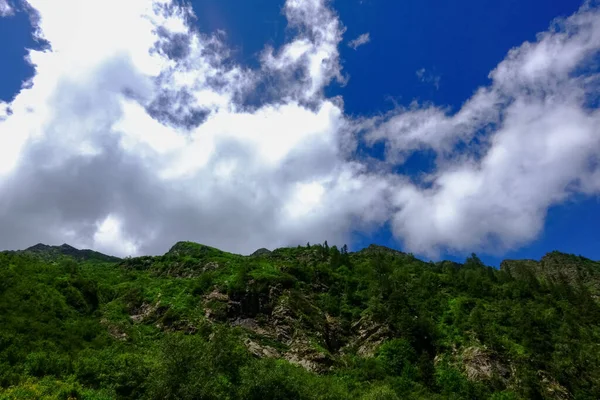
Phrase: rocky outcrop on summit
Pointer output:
(556, 267)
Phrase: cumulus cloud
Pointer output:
(127, 150)
(130, 138)
(529, 141)
(359, 41)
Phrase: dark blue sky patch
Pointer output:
(376, 150)
(571, 227)
(382, 236)
(418, 164)
(249, 25)
(15, 38)
(460, 41)
(589, 73)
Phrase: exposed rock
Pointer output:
(294, 315)
(253, 301)
(216, 306)
(480, 364)
(261, 351)
(252, 326)
(283, 320)
(145, 312)
(216, 295)
(179, 326)
(303, 353)
(334, 334)
(368, 335)
(552, 389)
(248, 304)
(210, 266)
(290, 325)
(558, 267)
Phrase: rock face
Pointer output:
(282, 316)
(552, 389)
(480, 364)
(261, 351)
(368, 335)
(146, 312)
(558, 267)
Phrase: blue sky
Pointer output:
(422, 58)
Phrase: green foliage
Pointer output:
(380, 393)
(397, 356)
(378, 324)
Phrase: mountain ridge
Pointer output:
(53, 252)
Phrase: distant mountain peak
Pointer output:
(556, 266)
(68, 250)
(38, 247)
(260, 252)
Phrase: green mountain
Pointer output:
(313, 322)
(55, 252)
(556, 267)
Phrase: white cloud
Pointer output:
(109, 238)
(537, 144)
(125, 150)
(360, 40)
(130, 138)
(5, 8)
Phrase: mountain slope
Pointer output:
(53, 252)
(302, 323)
(555, 267)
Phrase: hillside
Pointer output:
(311, 322)
(54, 252)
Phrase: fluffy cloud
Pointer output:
(529, 141)
(5, 8)
(130, 138)
(127, 150)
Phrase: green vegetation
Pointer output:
(313, 322)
